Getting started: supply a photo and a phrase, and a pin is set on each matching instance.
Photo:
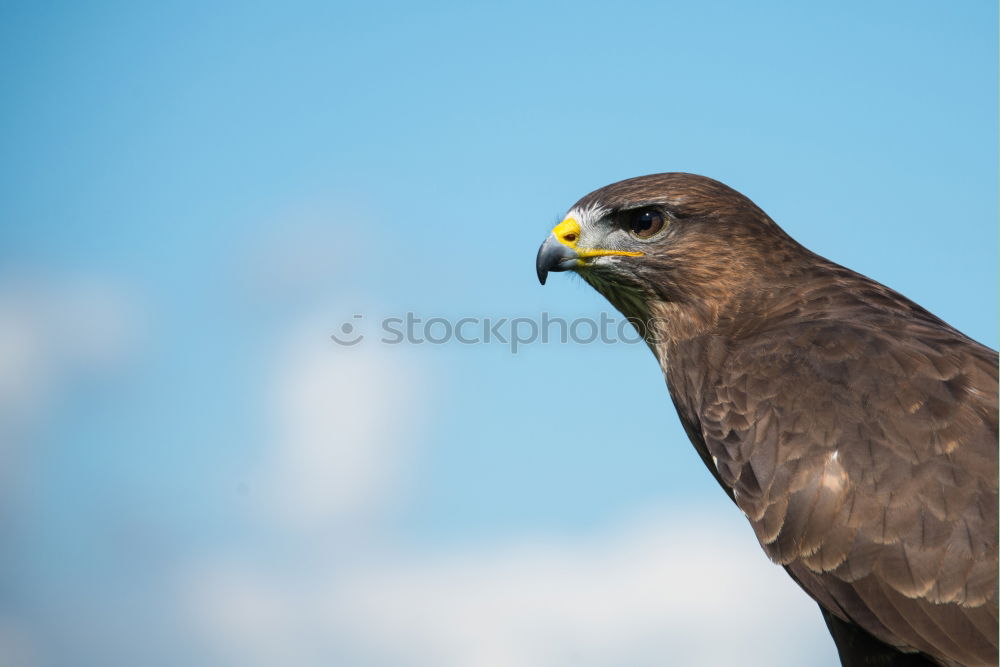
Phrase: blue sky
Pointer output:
(194, 196)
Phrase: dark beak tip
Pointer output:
(542, 264)
(553, 256)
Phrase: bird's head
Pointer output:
(674, 246)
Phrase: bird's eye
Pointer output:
(643, 223)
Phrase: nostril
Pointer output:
(569, 238)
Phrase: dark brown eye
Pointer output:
(644, 222)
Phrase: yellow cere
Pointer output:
(567, 232)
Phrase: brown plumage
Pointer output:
(855, 430)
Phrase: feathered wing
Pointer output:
(866, 461)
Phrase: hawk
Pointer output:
(855, 430)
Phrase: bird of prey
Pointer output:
(855, 430)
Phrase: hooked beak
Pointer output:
(560, 252)
(554, 256)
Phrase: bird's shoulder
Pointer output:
(860, 439)
(862, 352)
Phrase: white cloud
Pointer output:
(52, 331)
(664, 590)
(345, 421)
